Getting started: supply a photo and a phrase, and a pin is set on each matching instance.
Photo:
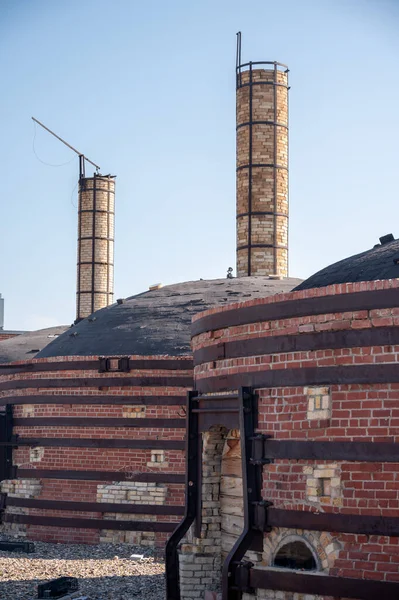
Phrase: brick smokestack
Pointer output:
(95, 277)
(262, 169)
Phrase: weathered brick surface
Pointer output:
(365, 412)
(5, 336)
(95, 244)
(269, 184)
(130, 462)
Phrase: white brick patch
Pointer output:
(319, 402)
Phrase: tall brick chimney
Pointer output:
(95, 281)
(262, 168)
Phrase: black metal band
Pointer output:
(95, 400)
(97, 382)
(94, 262)
(322, 340)
(99, 422)
(98, 210)
(262, 212)
(173, 364)
(95, 443)
(278, 84)
(324, 585)
(265, 449)
(345, 523)
(105, 191)
(97, 237)
(172, 478)
(250, 123)
(262, 166)
(90, 523)
(95, 506)
(93, 291)
(357, 374)
(243, 247)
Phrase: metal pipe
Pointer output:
(66, 143)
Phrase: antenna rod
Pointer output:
(66, 143)
(238, 53)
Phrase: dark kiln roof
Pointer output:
(381, 262)
(157, 322)
(27, 345)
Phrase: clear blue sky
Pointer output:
(147, 90)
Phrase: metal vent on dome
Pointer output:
(385, 239)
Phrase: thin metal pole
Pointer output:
(238, 60)
(66, 143)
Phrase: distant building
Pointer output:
(4, 335)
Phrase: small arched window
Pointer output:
(295, 555)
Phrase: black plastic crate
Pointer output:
(17, 547)
(57, 587)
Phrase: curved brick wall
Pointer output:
(137, 447)
(324, 363)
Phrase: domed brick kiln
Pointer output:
(307, 505)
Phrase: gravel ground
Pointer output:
(104, 571)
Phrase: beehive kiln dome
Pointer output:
(157, 322)
(27, 345)
(381, 262)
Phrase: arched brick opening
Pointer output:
(322, 545)
(295, 553)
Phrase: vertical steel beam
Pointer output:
(252, 490)
(193, 462)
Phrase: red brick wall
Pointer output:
(367, 412)
(6, 336)
(121, 460)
